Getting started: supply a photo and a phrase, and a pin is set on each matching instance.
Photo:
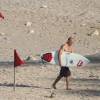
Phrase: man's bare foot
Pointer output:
(54, 86)
(68, 89)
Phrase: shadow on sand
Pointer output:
(29, 63)
(87, 80)
(20, 85)
(95, 58)
(83, 92)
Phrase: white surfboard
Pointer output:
(67, 59)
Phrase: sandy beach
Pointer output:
(33, 27)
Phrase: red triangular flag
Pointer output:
(17, 60)
(1, 16)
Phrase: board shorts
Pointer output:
(64, 71)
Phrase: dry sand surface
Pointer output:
(36, 26)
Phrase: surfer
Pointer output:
(64, 71)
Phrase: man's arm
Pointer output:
(72, 49)
(65, 48)
(59, 54)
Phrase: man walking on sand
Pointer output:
(64, 71)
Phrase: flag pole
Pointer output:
(14, 79)
(14, 84)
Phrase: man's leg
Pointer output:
(56, 81)
(67, 84)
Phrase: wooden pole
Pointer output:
(14, 79)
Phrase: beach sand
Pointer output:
(33, 27)
(33, 82)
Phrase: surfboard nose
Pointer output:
(47, 57)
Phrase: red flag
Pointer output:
(17, 60)
(1, 16)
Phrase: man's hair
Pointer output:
(69, 38)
